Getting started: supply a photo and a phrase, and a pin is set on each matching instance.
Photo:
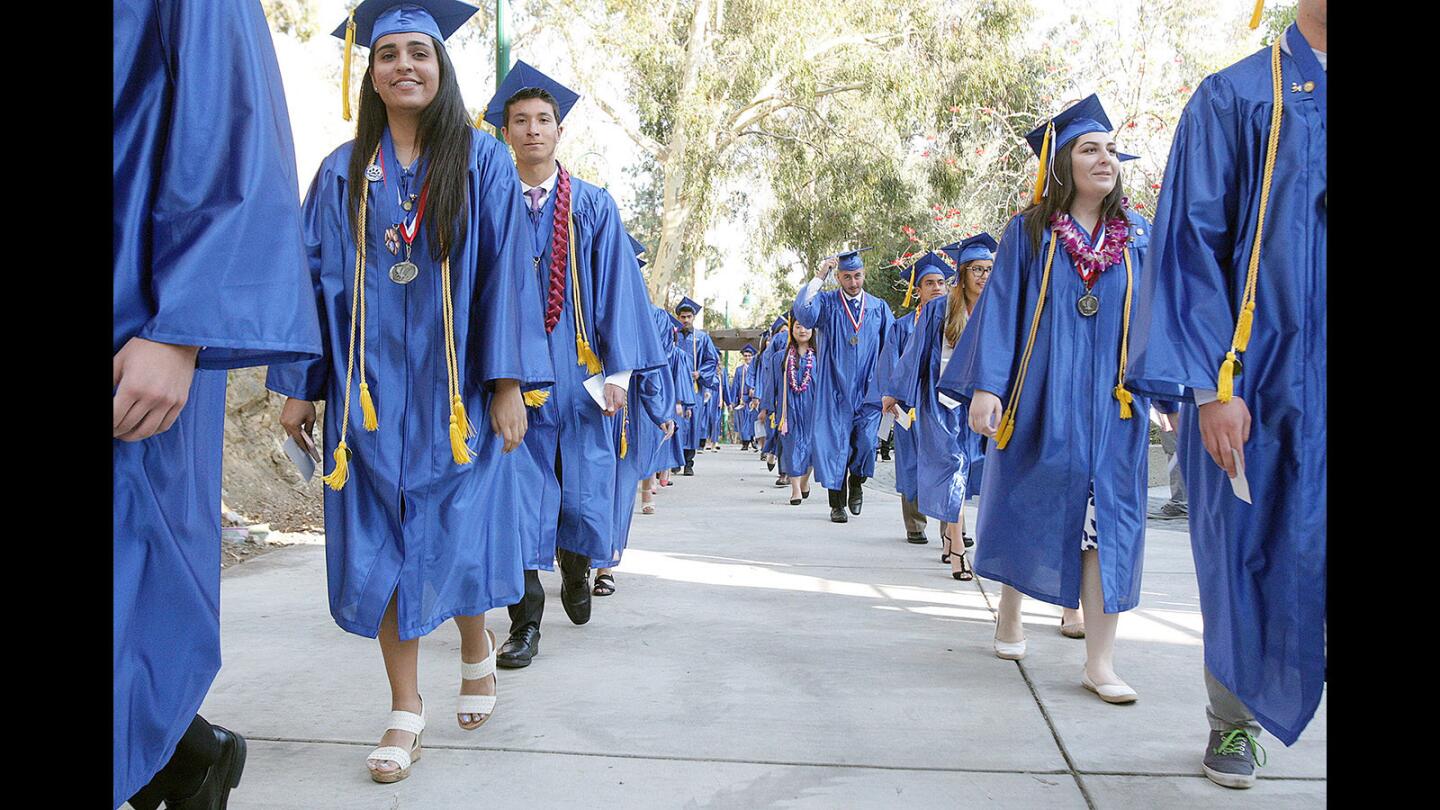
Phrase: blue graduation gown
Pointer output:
(1068, 431)
(200, 124)
(742, 391)
(442, 538)
(797, 444)
(674, 450)
(651, 403)
(906, 451)
(847, 405)
(945, 443)
(570, 426)
(1261, 567)
(769, 399)
(704, 358)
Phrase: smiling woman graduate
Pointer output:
(1062, 505)
(418, 250)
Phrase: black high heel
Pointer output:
(795, 501)
(966, 573)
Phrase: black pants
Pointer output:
(689, 458)
(839, 497)
(531, 607)
(185, 772)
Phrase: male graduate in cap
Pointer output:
(704, 376)
(597, 314)
(854, 326)
(742, 396)
(1233, 308)
(772, 374)
(200, 125)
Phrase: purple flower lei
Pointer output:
(1090, 263)
(790, 370)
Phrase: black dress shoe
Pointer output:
(795, 501)
(674, 470)
(223, 776)
(522, 645)
(688, 471)
(918, 538)
(770, 464)
(575, 596)
(857, 499)
(969, 541)
(837, 515)
(782, 481)
(805, 493)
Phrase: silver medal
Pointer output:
(1088, 304)
(403, 272)
(373, 173)
(854, 340)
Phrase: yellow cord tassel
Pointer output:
(1039, 193)
(909, 289)
(536, 398)
(585, 356)
(1225, 384)
(912, 417)
(1123, 394)
(772, 421)
(1242, 326)
(1007, 427)
(1255, 18)
(345, 72)
(367, 407)
(458, 448)
(457, 410)
(338, 476)
(625, 432)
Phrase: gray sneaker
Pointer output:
(1170, 511)
(1231, 757)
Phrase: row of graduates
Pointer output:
(1090, 318)
(497, 379)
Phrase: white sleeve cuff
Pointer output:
(812, 288)
(620, 379)
(1204, 396)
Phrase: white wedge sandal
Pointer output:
(400, 721)
(477, 704)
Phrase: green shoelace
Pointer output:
(1234, 742)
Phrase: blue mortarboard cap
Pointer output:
(635, 244)
(980, 246)
(1124, 157)
(686, 303)
(850, 259)
(931, 264)
(747, 349)
(520, 77)
(377, 18)
(1078, 119)
(778, 324)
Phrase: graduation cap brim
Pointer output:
(747, 349)
(930, 264)
(521, 76)
(1086, 115)
(686, 303)
(636, 245)
(850, 259)
(980, 246)
(438, 18)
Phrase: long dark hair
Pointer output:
(444, 135)
(1062, 195)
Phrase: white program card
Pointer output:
(904, 420)
(1239, 483)
(303, 462)
(886, 422)
(596, 386)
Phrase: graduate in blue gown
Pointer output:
(1049, 391)
(1261, 566)
(673, 452)
(926, 280)
(428, 344)
(742, 396)
(854, 326)
(200, 124)
(596, 315)
(798, 369)
(704, 378)
(767, 385)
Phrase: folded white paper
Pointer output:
(886, 422)
(904, 420)
(302, 460)
(596, 386)
(1239, 483)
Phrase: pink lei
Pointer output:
(790, 370)
(1091, 262)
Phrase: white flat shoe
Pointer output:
(1010, 651)
(1110, 692)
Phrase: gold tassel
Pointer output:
(1255, 18)
(909, 289)
(1242, 326)
(338, 476)
(1039, 193)
(345, 72)
(585, 356)
(457, 410)
(1225, 386)
(536, 398)
(625, 432)
(772, 421)
(1123, 394)
(458, 449)
(912, 416)
(367, 407)
(1007, 427)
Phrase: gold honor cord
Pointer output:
(345, 71)
(584, 352)
(341, 473)
(1225, 383)
(1007, 424)
(784, 380)
(1121, 393)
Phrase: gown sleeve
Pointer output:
(994, 337)
(915, 360)
(1185, 315)
(308, 379)
(808, 311)
(621, 322)
(227, 265)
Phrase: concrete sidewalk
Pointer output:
(755, 655)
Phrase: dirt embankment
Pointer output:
(260, 483)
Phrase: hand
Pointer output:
(298, 418)
(152, 385)
(1165, 425)
(754, 404)
(764, 414)
(707, 395)
(679, 409)
(507, 413)
(669, 428)
(689, 413)
(890, 405)
(695, 375)
(827, 267)
(614, 399)
(985, 413)
(1225, 426)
